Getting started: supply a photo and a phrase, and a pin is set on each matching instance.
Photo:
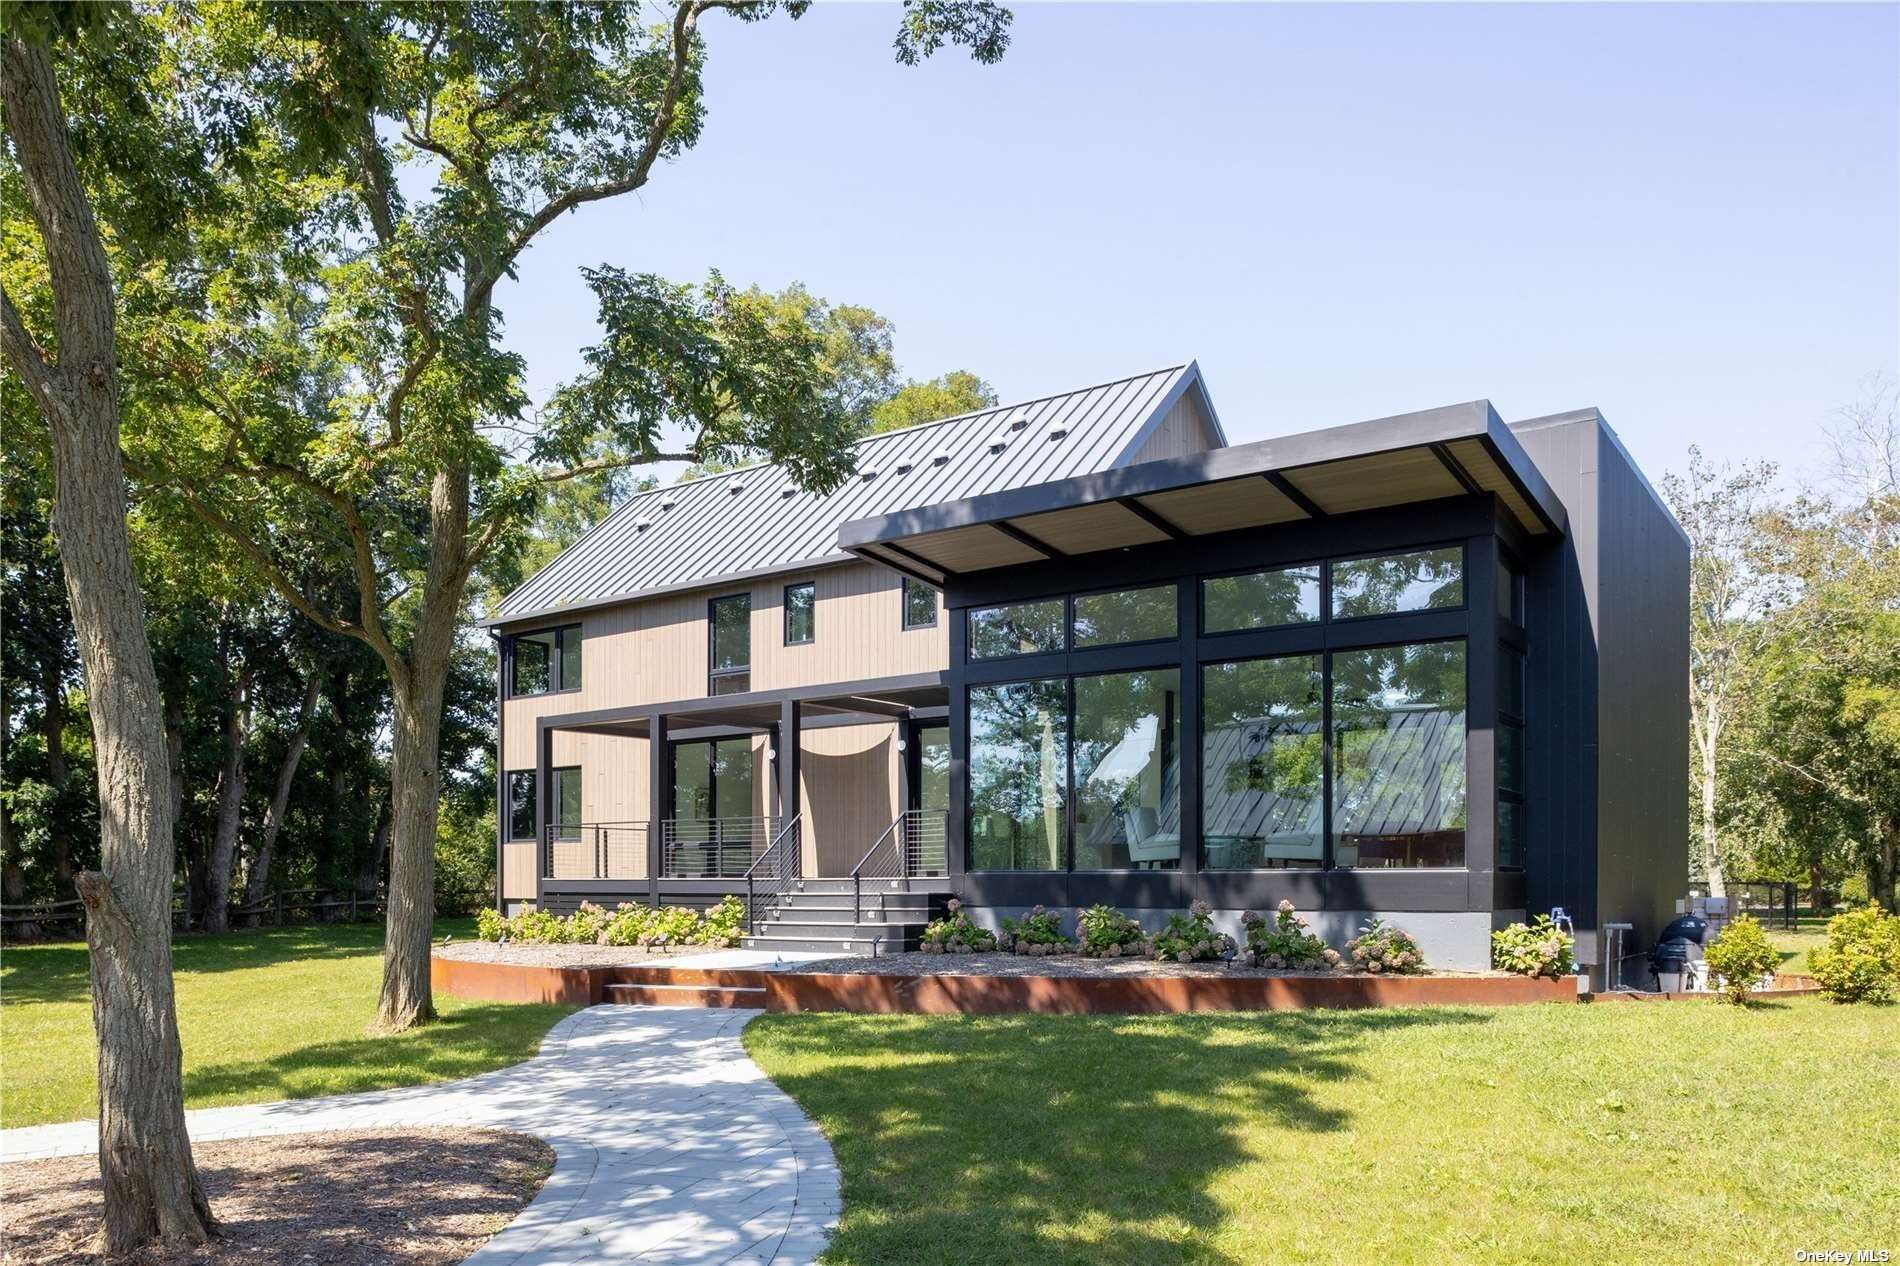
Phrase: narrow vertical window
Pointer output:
(729, 632)
(920, 605)
(521, 804)
(801, 613)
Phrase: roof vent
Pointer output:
(788, 492)
(1057, 432)
(641, 525)
(736, 489)
(668, 504)
(903, 468)
(940, 458)
(999, 443)
(868, 474)
(1019, 422)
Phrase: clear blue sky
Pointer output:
(1688, 215)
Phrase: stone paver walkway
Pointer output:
(670, 1144)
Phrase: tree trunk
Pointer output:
(1886, 860)
(258, 875)
(370, 872)
(224, 839)
(150, 1184)
(1711, 836)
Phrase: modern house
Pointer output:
(1430, 667)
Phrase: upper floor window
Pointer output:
(920, 605)
(801, 613)
(729, 632)
(545, 661)
(1421, 580)
(1510, 591)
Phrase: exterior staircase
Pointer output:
(817, 915)
(662, 986)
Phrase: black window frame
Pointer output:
(1071, 646)
(1519, 797)
(1323, 569)
(715, 675)
(1326, 581)
(1067, 646)
(811, 633)
(936, 604)
(557, 676)
(509, 809)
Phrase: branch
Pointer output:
(380, 202)
(685, 20)
(25, 354)
(611, 463)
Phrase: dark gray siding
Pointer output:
(1608, 729)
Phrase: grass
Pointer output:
(1809, 931)
(1430, 1135)
(281, 1013)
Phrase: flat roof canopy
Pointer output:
(1460, 450)
(892, 698)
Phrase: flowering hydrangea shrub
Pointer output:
(957, 934)
(587, 925)
(1283, 942)
(1108, 933)
(1038, 932)
(724, 924)
(1380, 947)
(489, 924)
(628, 926)
(1539, 948)
(1191, 938)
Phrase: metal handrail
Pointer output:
(724, 848)
(607, 844)
(779, 867)
(914, 842)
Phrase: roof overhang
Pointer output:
(1460, 450)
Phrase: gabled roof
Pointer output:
(755, 521)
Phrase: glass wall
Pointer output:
(1263, 761)
(1128, 770)
(1423, 580)
(1261, 599)
(1128, 615)
(1398, 795)
(1020, 628)
(1018, 767)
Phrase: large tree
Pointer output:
(71, 370)
(339, 382)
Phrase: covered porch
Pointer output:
(750, 794)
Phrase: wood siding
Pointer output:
(1184, 430)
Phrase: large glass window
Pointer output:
(545, 661)
(920, 605)
(1399, 756)
(1130, 615)
(801, 613)
(1425, 580)
(1128, 771)
(1021, 628)
(1261, 599)
(730, 620)
(566, 806)
(1018, 769)
(521, 804)
(1511, 764)
(1263, 798)
(933, 767)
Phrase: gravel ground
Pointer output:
(919, 964)
(346, 1198)
(563, 955)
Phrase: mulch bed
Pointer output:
(343, 1198)
(920, 964)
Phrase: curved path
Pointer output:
(670, 1144)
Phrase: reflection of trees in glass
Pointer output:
(1263, 599)
(1130, 615)
(1399, 754)
(1021, 628)
(1127, 769)
(1018, 766)
(1262, 761)
(1425, 580)
(732, 632)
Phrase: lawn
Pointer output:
(1809, 931)
(281, 1013)
(1615, 1132)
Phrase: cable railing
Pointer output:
(714, 848)
(778, 868)
(594, 850)
(911, 847)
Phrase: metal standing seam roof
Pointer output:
(755, 520)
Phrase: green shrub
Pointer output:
(1854, 891)
(956, 934)
(724, 924)
(1191, 938)
(628, 925)
(1038, 932)
(464, 858)
(1539, 948)
(673, 925)
(538, 927)
(1382, 948)
(1739, 958)
(1861, 960)
(1284, 942)
(586, 925)
(489, 924)
(1108, 933)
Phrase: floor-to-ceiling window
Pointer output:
(714, 779)
(1263, 763)
(1128, 769)
(1019, 770)
(1398, 796)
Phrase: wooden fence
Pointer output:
(276, 909)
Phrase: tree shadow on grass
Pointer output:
(1058, 1138)
(470, 1040)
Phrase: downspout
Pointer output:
(501, 770)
